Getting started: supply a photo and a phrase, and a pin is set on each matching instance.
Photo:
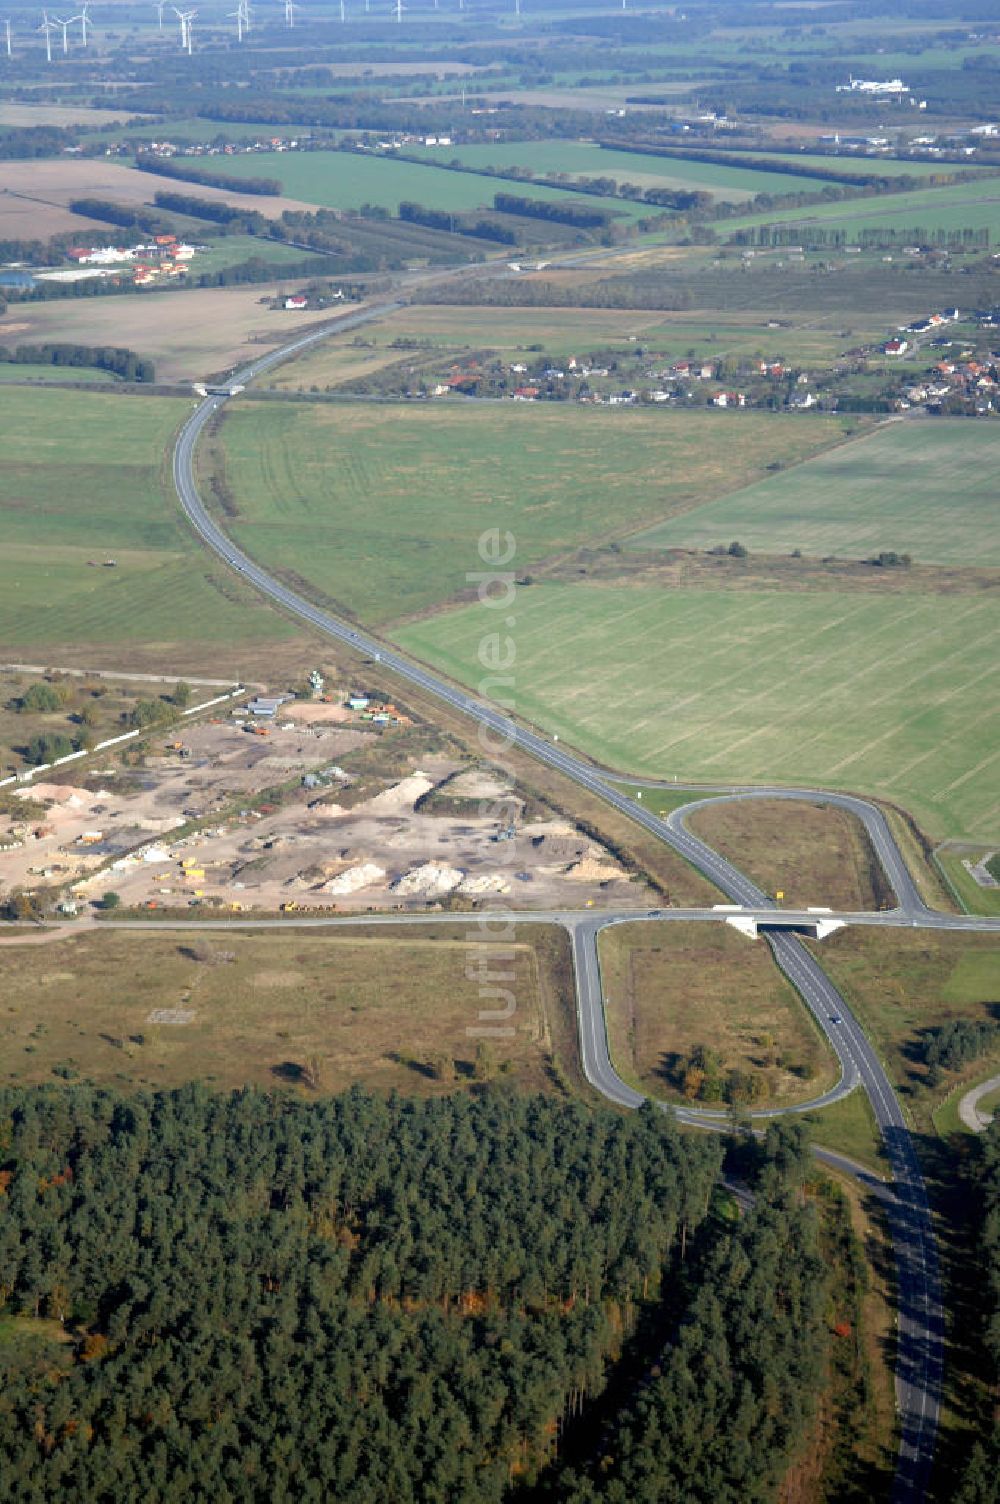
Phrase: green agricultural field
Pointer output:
(733, 184)
(925, 489)
(380, 508)
(86, 479)
(232, 249)
(964, 206)
(889, 695)
(346, 180)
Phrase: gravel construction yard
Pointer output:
(237, 821)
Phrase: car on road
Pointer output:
(835, 1018)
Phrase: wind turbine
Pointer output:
(7, 28)
(400, 7)
(48, 27)
(343, 12)
(83, 18)
(290, 9)
(240, 13)
(160, 8)
(185, 17)
(65, 29)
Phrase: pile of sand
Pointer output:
(488, 882)
(593, 868)
(431, 880)
(355, 878)
(61, 793)
(401, 798)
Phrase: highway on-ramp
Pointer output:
(919, 1346)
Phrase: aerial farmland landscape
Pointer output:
(499, 762)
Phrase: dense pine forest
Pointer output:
(256, 1297)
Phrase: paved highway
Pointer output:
(920, 1323)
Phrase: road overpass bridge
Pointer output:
(815, 923)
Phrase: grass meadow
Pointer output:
(380, 508)
(889, 695)
(346, 180)
(926, 489)
(670, 987)
(258, 1008)
(86, 479)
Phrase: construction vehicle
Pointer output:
(291, 907)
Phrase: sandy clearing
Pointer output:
(316, 712)
(277, 979)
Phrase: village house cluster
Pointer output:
(160, 258)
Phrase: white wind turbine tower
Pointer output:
(185, 17)
(400, 7)
(48, 27)
(343, 12)
(240, 14)
(290, 9)
(65, 29)
(83, 18)
(160, 7)
(7, 29)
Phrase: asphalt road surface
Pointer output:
(919, 1347)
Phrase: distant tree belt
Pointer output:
(614, 293)
(872, 237)
(126, 215)
(124, 363)
(349, 1298)
(552, 210)
(37, 252)
(34, 141)
(456, 224)
(171, 167)
(250, 220)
